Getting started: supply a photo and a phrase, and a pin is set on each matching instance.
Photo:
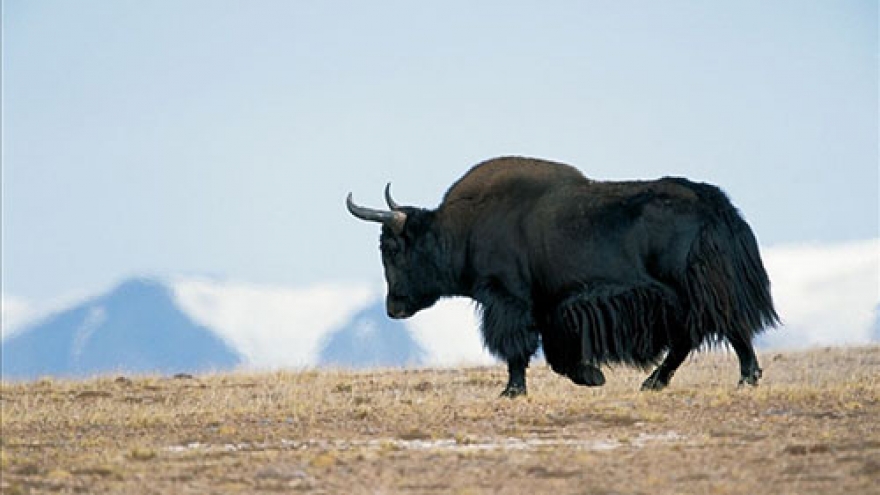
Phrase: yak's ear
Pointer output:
(398, 223)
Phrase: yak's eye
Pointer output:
(391, 248)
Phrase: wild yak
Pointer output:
(595, 272)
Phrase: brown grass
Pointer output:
(813, 426)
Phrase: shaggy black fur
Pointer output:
(597, 272)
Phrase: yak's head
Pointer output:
(411, 255)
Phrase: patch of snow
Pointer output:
(96, 316)
(443, 444)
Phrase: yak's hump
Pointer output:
(506, 175)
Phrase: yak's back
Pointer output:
(509, 179)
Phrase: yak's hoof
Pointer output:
(658, 380)
(512, 391)
(587, 375)
(654, 384)
(751, 378)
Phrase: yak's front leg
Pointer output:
(516, 378)
(509, 332)
(517, 359)
(679, 348)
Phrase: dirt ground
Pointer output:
(812, 426)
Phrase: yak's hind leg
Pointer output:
(750, 372)
(679, 348)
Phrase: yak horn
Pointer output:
(388, 199)
(393, 219)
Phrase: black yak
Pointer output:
(595, 272)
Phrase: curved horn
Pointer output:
(393, 219)
(388, 199)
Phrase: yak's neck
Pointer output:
(450, 262)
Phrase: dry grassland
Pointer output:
(813, 426)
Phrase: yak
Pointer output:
(594, 272)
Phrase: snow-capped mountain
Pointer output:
(371, 339)
(137, 327)
(190, 325)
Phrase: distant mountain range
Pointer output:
(140, 327)
(192, 325)
(135, 328)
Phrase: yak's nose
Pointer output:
(397, 315)
(396, 310)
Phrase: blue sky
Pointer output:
(218, 137)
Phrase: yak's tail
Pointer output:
(726, 286)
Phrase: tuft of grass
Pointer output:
(142, 454)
